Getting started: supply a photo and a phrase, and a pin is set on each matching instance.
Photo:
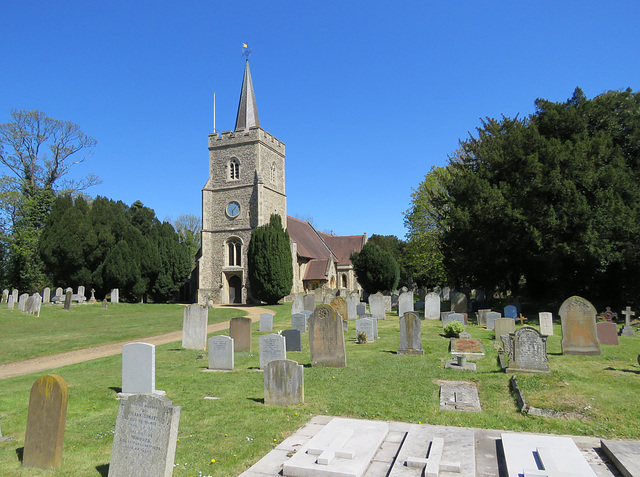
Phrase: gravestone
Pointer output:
(452, 317)
(34, 304)
(139, 369)
(240, 331)
(459, 396)
(293, 340)
(492, 316)
(10, 302)
(81, 290)
(366, 326)
(361, 309)
(104, 304)
(115, 295)
(59, 292)
(5, 295)
(221, 352)
(579, 335)
(387, 303)
(394, 300)
(353, 299)
(266, 322)
(22, 302)
(194, 327)
(627, 329)
(307, 314)
(14, 292)
(46, 295)
(271, 347)
(326, 338)
(92, 300)
(309, 302)
(376, 306)
(339, 304)
(298, 304)
(45, 423)
(446, 294)
(410, 338)
(405, 302)
(432, 306)
(344, 447)
(299, 322)
(528, 351)
(540, 455)
(327, 298)
(146, 433)
(67, 300)
(458, 302)
(283, 383)
(469, 347)
(546, 323)
(482, 316)
(318, 293)
(503, 326)
(607, 333)
(444, 314)
(510, 311)
(624, 454)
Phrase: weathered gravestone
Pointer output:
(298, 303)
(293, 340)
(361, 309)
(624, 454)
(459, 396)
(299, 322)
(22, 302)
(283, 383)
(458, 302)
(67, 300)
(5, 295)
(482, 316)
(344, 447)
(14, 292)
(221, 352)
(46, 295)
(10, 302)
(144, 443)
(240, 331)
(579, 334)
(410, 338)
(627, 329)
(542, 456)
(34, 303)
(444, 314)
(139, 369)
(271, 347)
(432, 306)
(194, 327)
(405, 302)
(59, 292)
(45, 423)
(81, 290)
(445, 293)
(492, 316)
(353, 299)
(318, 294)
(367, 326)
(309, 302)
(104, 304)
(528, 351)
(503, 326)
(607, 333)
(510, 311)
(452, 317)
(115, 295)
(266, 322)
(339, 304)
(387, 303)
(326, 338)
(376, 306)
(92, 300)
(327, 298)
(546, 323)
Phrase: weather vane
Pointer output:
(246, 51)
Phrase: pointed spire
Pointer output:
(247, 109)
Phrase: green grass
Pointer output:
(238, 429)
(57, 330)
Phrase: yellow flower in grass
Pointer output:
(213, 461)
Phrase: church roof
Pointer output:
(317, 269)
(310, 245)
(247, 110)
(344, 246)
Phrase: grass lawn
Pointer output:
(57, 330)
(237, 429)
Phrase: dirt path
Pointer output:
(44, 363)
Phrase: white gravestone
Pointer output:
(46, 295)
(266, 322)
(546, 323)
(22, 302)
(366, 325)
(298, 304)
(405, 302)
(115, 295)
(353, 299)
(272, 347)
(220, 352)
(283, 383)
(194, 327)
(10, 302)
(432, 306)
(492, 316)
(627, 329)
(376, 306)
(139, 369)
(459, 317)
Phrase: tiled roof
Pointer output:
(316, 269)
(343, 247)
(310, 245)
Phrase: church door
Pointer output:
(235, 289)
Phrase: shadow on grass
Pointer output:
(258, 400)
(174, 349)
(115, 389)
(103, 470)
(20, 453)
(555, 354)
(390, 351)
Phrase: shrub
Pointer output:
(453, 329)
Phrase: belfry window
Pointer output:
(234, 253)
(234, 170)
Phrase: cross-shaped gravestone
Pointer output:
(627, 330)
(432, 463)
(335, 449)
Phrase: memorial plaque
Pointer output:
(546, 323)
(299, 322)
(240, 331)
(271, 347)
(528, 351)
(283, 383)
(344, 447)
(293, 341)
(194, 327)
(326, 338)
(221, 352)
(144, 443)
(579, 334)
(607, 333)
(266, 322)
(410, 338)
(45, 423)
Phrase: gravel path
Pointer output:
(44, 363)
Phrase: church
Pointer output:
(246, 185)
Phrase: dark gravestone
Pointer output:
(292, 340)
(45, 423)
(145, 438)
(607, 332)
(67, 300)
(510, 311)
(326, 338)
(240, 331)
(579, 334)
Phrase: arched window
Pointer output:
(233, 169)
(273, 172)
(234, 252)
(344, 280)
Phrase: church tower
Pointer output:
(245, 186)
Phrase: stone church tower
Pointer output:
(245, 186)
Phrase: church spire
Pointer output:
(247, 109)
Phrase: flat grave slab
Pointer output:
(343, 448)
(625, 455)
(459, 396)
(472, 348)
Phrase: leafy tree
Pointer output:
(375, 269)
(188, 227)
(270, 267)
(397, 249)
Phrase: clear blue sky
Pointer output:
(366, 95)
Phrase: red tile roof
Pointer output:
(316, 269)
(310, 245)
(344, 246)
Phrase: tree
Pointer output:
(270, 266)
(375, 269)
(397, 248)
(189, 228)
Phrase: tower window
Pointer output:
(234, 253)
(233, 169)
(273, 172)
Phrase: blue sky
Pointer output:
(367, 96)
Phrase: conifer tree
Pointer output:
(375, 269)
(269, 262)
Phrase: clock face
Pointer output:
(233, 209)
